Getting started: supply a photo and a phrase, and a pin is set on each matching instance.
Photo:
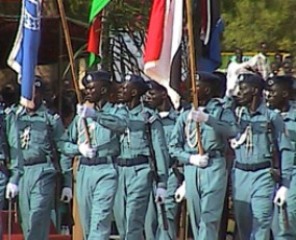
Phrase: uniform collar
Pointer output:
(290, 115)
(172, 114)
(213, 103)
(40, 111)
(106, 106)
(261, 109)
(136, 110)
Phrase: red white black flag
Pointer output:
(163, 43)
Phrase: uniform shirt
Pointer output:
(15, 157)
(259, 149)
(168, 123)
(220, 126)
(38, 133)
(135, 142)
(104, 131)
(290, 123)
(3, 140)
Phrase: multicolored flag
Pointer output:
(208, 28)
(163, 43)
(24, 54)
(94, 37)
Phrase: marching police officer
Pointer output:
(3, 158)
(38, 134)
(280, 90)
(97, 175)
(253, 184)
(135, 176)
(157, 99)
(205, 174)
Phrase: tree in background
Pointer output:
(249, 22)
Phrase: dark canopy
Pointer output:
(52, 40)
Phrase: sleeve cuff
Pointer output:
(14, 178)
(211, 121)
(67, 180)
(185, 158)
(162, 185)
(285, 182)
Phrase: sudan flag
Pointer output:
(94, 37)
(162, 49)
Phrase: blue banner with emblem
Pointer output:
(24, 54)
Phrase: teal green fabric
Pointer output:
(205, 187)
(131, 201)
(220, 125)
(104, 132)
(253, 203)
(135, 182)
(254, 200)
(15, 156)
(153, 221)
(36, 191)
(134, 141)
(97, 184)
(37, 134)
(96, 188)
(279, 231)
(261, 151)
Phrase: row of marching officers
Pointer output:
(130, 152)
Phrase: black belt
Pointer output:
(129, 162)
(252, 167)
(96, 161)
(32, 163)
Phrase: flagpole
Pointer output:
(193, 70)
(71, 58)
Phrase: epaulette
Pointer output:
(53, 114)
(20, 109)
(152, 119)
(149, 117)
(56, 116)
(8, 110)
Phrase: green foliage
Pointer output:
(249, 22)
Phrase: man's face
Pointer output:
(275, 96)
(264, 48)
(245, 94)
(126, 92)
(154, 98)
(202, 89)
(93, 91)
(118, 92)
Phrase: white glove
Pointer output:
(84, 111)
(281, 196)
(199, 160)
(66, 195)
(11, 190)
(200, 116)
(180, 193)
(86, 150)
(160, 195)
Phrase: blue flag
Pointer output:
(23, 56)
(211, 60)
